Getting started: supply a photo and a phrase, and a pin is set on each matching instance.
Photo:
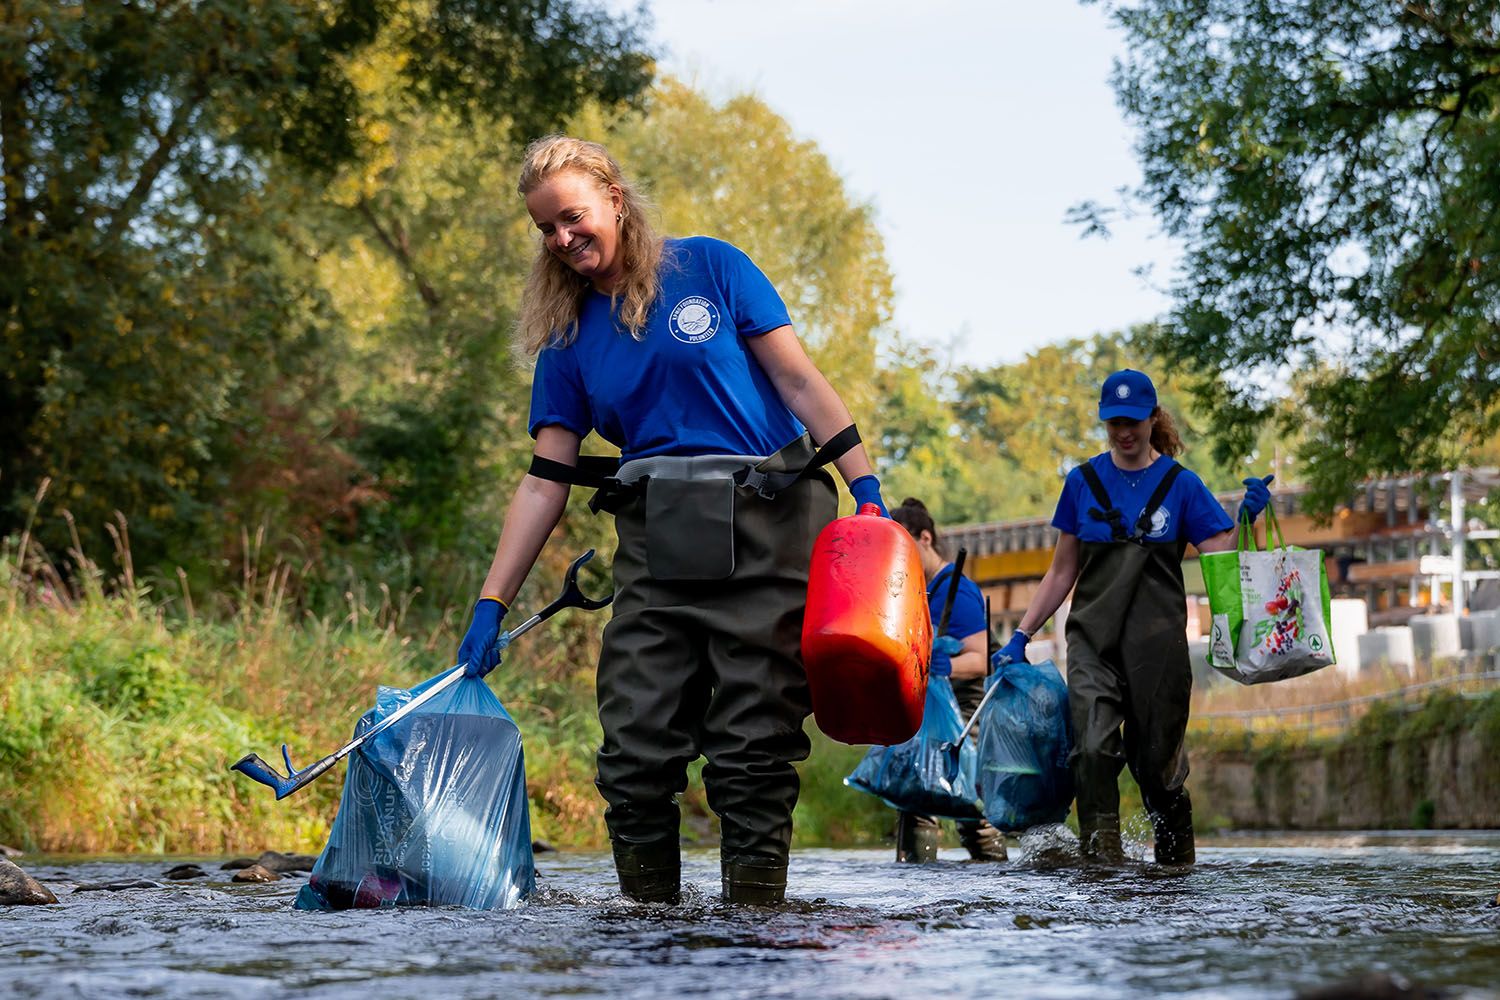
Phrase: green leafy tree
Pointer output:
(150, 312)
(1333, 170)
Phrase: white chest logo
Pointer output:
(694, 320)
(1158, 524)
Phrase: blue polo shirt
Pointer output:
(967, 616)
(1189, 511)
(689, 385)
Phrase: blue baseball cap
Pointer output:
(1127, 393)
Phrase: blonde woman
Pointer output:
(681, 353)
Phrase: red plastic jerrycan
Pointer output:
(867, 634)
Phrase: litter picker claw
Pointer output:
(252, 766)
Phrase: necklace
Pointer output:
(1133, 477)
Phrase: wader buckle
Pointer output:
(754, 479)
(613, 495)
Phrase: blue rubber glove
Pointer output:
(1012, 652)
(866, 489)
(1257, 495)
(944, 648)
(480, 650)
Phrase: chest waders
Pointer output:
(1128, 669)
(703, 655)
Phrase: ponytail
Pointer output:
(1164, 436)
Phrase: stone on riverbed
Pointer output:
(118, 885)
(275, 861)
(19, 889)
(256, 873)
(6, 851)
(182, 872)
(1373, 986)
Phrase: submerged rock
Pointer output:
(118, 885)
(235, 864)
(541, 847)
(19, 889)
(256, 873)
(1373, 986)
(275, 861)
(181, 872)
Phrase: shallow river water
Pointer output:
(1257, 917)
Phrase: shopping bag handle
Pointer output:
(1245, 537)
(1273, 526)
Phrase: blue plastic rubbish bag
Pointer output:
(914, 776)
(1025, 736)
(434, 809)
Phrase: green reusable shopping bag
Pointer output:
(1272, 612)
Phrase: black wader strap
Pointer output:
(768, 484)
(1143, 523)
(1101, 497)
(595, 471)
(1114, 517)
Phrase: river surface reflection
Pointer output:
(1261, 916)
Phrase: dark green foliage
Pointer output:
(1333, 169)
(466, 50)
(164, 340)
(139, 683)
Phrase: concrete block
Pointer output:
(1391, 646)
(1041, 650)
(1434, 636)
(1203, 674)
(1351, 619)
(1484, 631)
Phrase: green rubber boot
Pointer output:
(1174, 833)
(916, 838)
(754, 883)
(982, 841)
(650, 873)
(1099, 840)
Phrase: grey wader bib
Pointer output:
(1128, 669)
(703, 656)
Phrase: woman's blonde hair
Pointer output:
(1164, 436)
(555, 292)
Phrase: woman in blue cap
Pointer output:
(1125, 519)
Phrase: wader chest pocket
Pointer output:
(690, 529)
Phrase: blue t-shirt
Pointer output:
(967, 616)
(1189, 510)
(690, 385)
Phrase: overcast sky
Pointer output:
(972, 127)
